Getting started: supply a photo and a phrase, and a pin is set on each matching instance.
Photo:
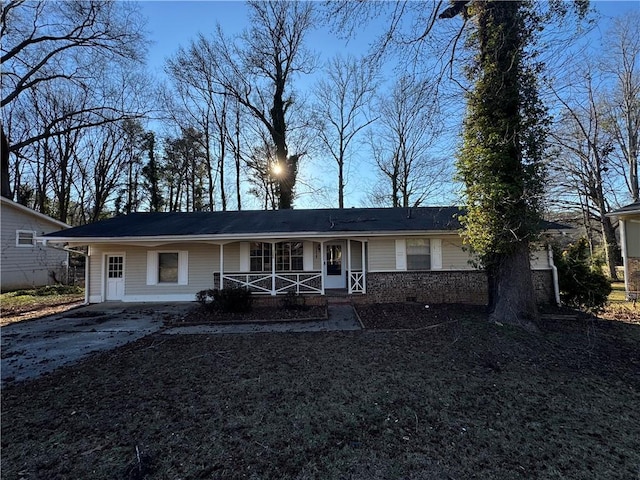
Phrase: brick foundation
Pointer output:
(633, 282)
(469, 287)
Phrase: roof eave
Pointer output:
(241, 237)
(33, 213)
(623, 214)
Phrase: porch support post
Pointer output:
(350, 288)
(273, 268)
(625, 258)
(364, 269)
(221, 265)
(322, 267)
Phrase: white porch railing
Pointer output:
(268, 284)
(356, 282)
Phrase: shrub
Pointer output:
(227, 299)
(582, 284)
(206, 298)
(57, 290)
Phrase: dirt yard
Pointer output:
(422, 394)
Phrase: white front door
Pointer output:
(334, 266)
(115, 277)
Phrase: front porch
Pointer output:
(326, 265)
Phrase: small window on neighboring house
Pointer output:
(168, 267)
(25, 238)
(260, 257)
(418, 254)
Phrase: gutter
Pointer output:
(554, 273)
(222, 238)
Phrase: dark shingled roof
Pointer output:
(274, 222)
(270, 222)
(632, 208)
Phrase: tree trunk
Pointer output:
(4, 151)
(612, 254)
(511, 292)
(238, 158)
(340, 184)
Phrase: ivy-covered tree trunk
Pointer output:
(500, 161)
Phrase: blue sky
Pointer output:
(172, 24)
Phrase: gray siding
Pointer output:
(454, 257)
(632, 231)
(27, 266)
(382, 254)
(231, 257)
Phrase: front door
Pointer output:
(115, 277)
(334, 273)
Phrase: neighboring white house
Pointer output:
(23, 262)
(371, 254)
(629, 217)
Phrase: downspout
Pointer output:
(554, 274)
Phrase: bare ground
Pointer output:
(447, 396)
(38, 307)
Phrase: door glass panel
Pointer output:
(334, 260)
(115, 267)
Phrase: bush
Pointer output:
(57, 290)
(206, 298)
(227, 300)
(582, 284)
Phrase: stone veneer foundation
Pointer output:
(466, 286)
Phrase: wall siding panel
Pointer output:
(24, 267)
(382, 254)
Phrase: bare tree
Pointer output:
(62, 42)
(402, 143)
(584, 160)
(622, 63)
(105, 170)
(203, 104)
(342, 100)
(258, 68)
(260, 172)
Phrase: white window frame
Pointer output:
(153, 271)
(424, 239)
(25, 245)
(435, 252)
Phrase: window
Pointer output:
(289, 256)
(168, 267)
(260, 257)
(418, 254)
(25, 238)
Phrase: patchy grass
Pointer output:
(466, 399)
(32, 303)
(617, 294)
(619, 308)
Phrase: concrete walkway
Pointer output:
(34, 347)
